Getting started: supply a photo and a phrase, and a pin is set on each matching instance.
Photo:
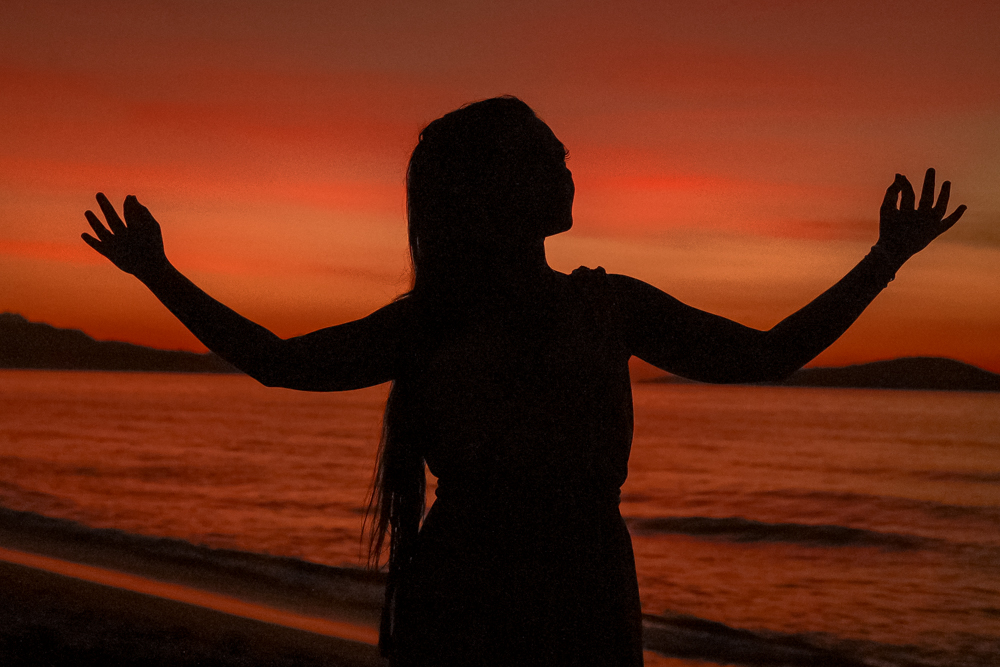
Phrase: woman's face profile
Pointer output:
(562, 190)
(563, 213)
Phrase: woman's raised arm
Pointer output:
(353, 355)
(698, 345)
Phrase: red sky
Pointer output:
(732, 153)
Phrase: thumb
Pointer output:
(92, 242)
(953, 218)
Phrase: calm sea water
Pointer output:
(868, 519)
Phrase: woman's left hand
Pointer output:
(906, 230)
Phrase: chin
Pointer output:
(559, 226)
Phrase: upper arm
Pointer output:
(357, 354)
(687, 341)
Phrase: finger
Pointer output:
(131, 209)
(97, 226)
(927, 192)
(891, 197)
(92, 242)
(907, 196)
(136, 212)
(942, 203)
(953, 218)
(114, 222)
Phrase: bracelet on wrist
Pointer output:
(885, 261)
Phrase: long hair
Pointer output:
(481, 177)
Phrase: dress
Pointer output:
(524, 558)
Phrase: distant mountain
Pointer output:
(25, 344)
(906, 373)
(931, 373)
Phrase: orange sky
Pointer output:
(732, 153)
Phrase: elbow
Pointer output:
(757, 357)
(775, 369)
(268, 381)
(270, 367)
(770, 366)
(774, 359)
(764, 366)
(305, 380)
(269, 371)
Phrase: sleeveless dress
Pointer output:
(524, 558)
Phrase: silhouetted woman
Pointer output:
(510, 381)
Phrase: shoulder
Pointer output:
(592, 282)
(606, 295)
(617, 289)
(635, 307)
(587, 273)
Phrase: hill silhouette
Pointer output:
(34, 345)
(933, 373)
(926, 373)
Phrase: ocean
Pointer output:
(863, 522)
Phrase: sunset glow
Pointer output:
(733, 154)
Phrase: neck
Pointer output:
(516, 267)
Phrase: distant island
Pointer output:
(927, 373)
(34, 345)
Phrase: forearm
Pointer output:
(349, 356)
(245, 344)
(799, 338)
(705, 347)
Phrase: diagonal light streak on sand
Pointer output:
(177, 593)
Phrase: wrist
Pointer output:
(893, 250)
(884, 262)
(153, 272)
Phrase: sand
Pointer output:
(71, 595)
(51, 619)
(74, 595)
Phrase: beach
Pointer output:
(79, 596)
(76, 596)
(49, 619)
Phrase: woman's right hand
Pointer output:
(134, 246)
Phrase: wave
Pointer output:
(988, 515)
(343, 592)
(956, 476)
(692, 638)
(356, 594)
(738, 529)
